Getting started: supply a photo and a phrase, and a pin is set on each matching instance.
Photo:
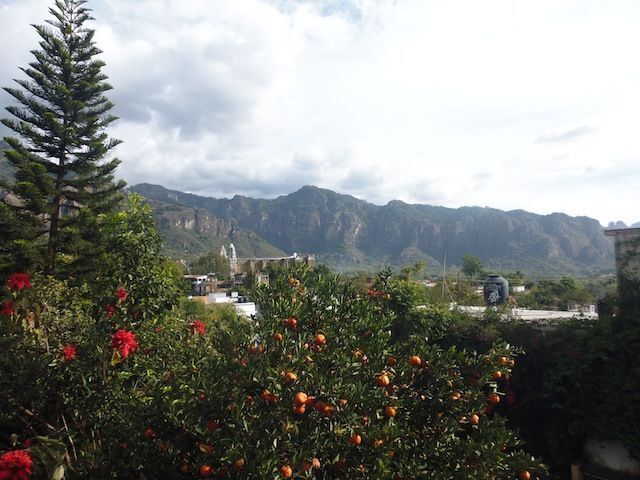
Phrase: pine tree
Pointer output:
(63, 183)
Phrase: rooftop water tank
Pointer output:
(496, 290)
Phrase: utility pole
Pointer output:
(444, 274)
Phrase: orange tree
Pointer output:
(318, 389)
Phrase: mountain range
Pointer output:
(350, 234)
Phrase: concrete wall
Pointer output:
(611, 455)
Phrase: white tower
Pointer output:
(233, 260)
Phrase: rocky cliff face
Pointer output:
(189, 232)
(348, 233)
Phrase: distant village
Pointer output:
(209, 289)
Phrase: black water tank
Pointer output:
(496, 290)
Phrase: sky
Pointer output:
(509, 104)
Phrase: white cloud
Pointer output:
(530, 105)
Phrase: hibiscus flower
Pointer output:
(69, 352)
(18, 281)
(198, 326)
(124, 342)
(15, 465)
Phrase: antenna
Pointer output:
(444, 273)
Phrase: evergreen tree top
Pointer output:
(60, 116)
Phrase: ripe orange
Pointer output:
(455, 396)
(202, 396)
(299, 409)
(390, 411)
(206, 448)
(286, 471)
(149, 434)
(290, 377)
(315, 463)
(343, 402)
(383, 380)
(355, 439)
(391, 360)
(503, 360)
(525, 475)
(320, 339)
(415, 361)
(328, 410)
(212, 425)
(265, 395)
(300, 398)
(497, 375)
(238, 465)
(278, 337)
(292, 323)
(474, 419)
(206, 470)
(494, 398)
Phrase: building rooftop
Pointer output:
(611, 232)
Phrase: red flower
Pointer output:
(7, 309)
(125, 342)
(122, 294)
(198, 326)
(111, 310)
(15, 465)
(69, 352)
(18, 281)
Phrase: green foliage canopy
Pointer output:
(62, 183)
